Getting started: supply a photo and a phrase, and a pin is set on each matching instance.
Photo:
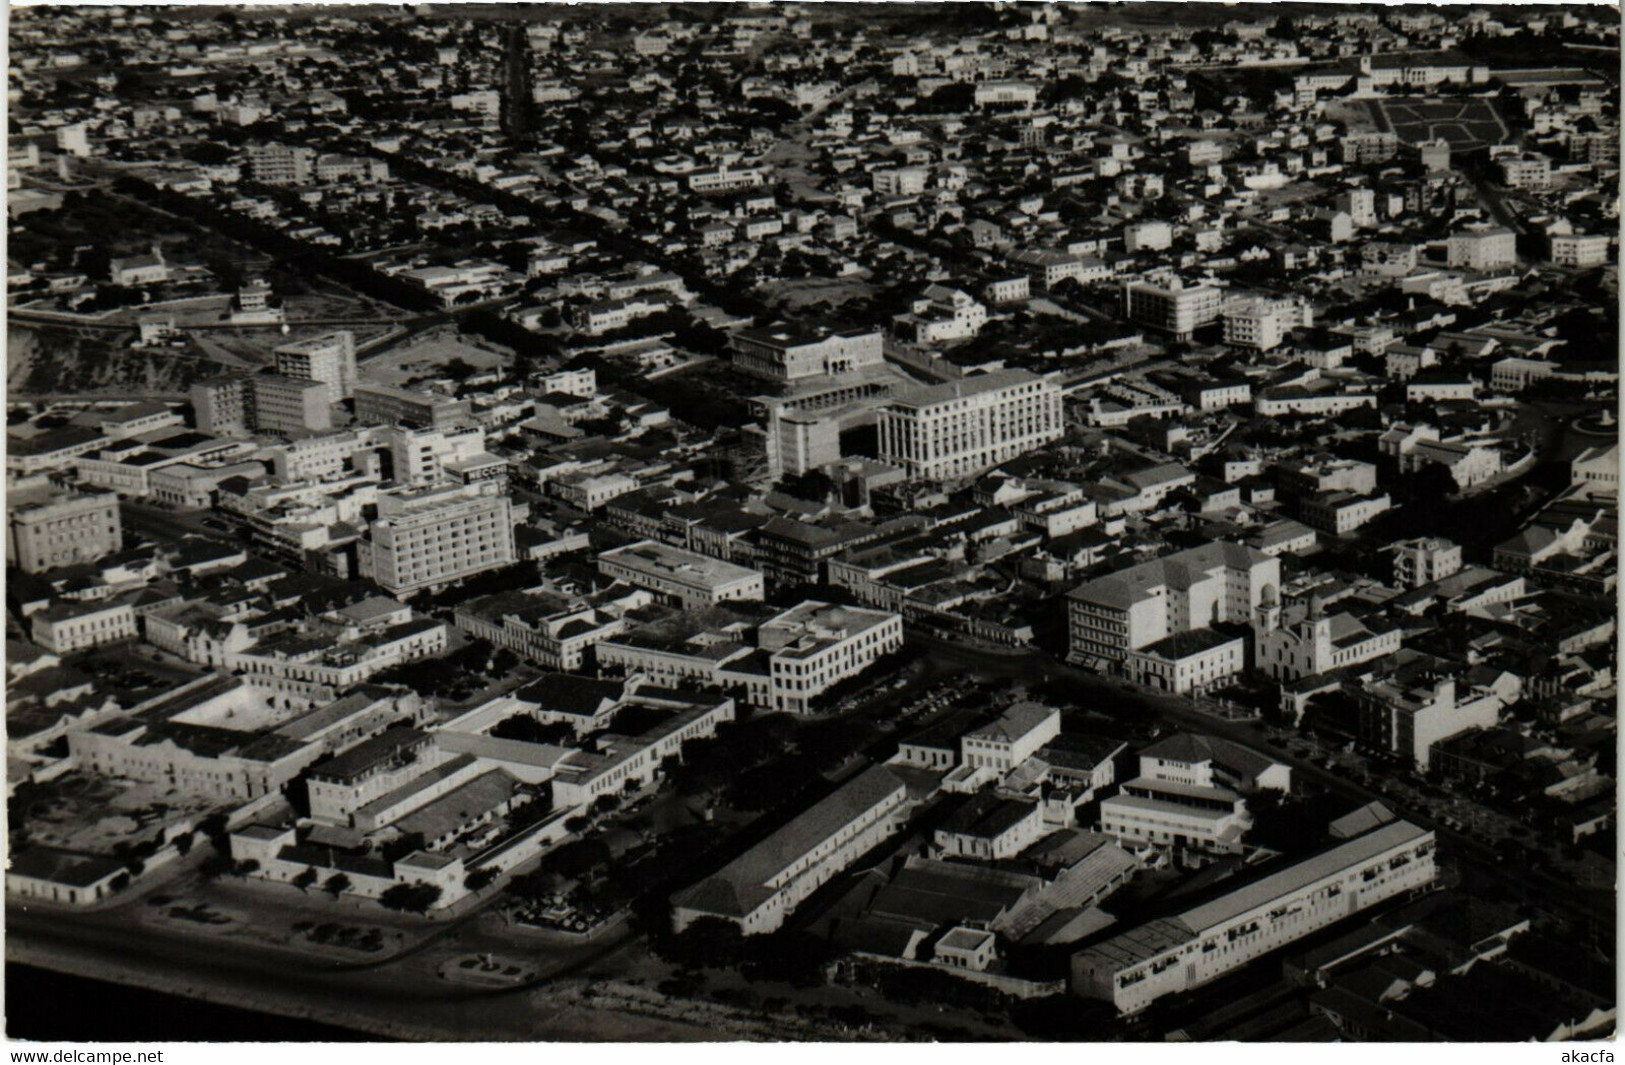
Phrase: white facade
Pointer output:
(963, 427)
(692, 580)
(329, 358)
(1171, 306)
(1483, 249)
(1170, 955)
(427, 539)
(1123, 612)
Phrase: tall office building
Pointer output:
(423, 539)
(329, 358)
(962, 427)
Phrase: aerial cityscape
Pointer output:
(680, 522)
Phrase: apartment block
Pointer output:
(281, 164)
(329, 358)
(1579, 250)
(426, 538)
(1482, 248)
(290, 406)
(1262, 324)
(1424, 560)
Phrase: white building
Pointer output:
(329, 358)
(1424, 560)
(1015, 737)
(1171, 306)
(791, 353)
(1260, 323)
(759, 889)
(684, 577)
(1189, 795)
(1483, 248)
(72, 626)
(427, 538)
(962, 427)
(1579, 250)
(1174, 954)
(1123, 612)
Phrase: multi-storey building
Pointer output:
(73, 626)
(1134, 968)
(223, 405)
(899, 180)
(544, 629)
(1184, 592)
(426, 538)
(380, 404)
(1189, 795)
(1388, 258)
(1579, 250)
(290, 406)
(1341, 513)
(1171, 306)
(1016, 736)
(422, 457)
(726, 179)
(1369, 147)
(792, 353)
(684, 577)
(1527, 171)
(280, 164)
(1482, 248)
(1408, 716)
(814, 646)
(1261, 324)
(63, 530)
(329, 358)
(1424, 560)
(962, 427)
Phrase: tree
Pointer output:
(479, 878)
(708, 941)
(183, 843)
(576, 859)
(217, 865)
(336, 885)
(305, 879)
(410, 898)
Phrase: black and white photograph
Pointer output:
(811, 522)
